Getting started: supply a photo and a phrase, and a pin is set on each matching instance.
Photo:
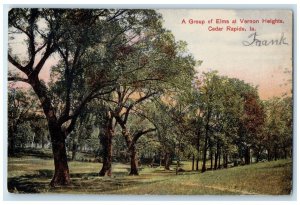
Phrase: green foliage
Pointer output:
(278, 129)
(25, 125)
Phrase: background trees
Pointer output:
(278, 131)
(26, 125)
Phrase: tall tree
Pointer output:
(159, 64)
(87, 41)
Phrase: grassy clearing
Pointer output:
(32, 175)
(269, 178)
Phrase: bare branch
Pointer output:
(48, 52)
(138, 134)
(21, 29)
(116, 15)
(18, 79)
(41, 47)
(137, 102)
(19, 66)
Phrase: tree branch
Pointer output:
(18, 79)
(41, 47)
(138, 134)
(19, 66)
(118, 13)
(135, 103)
(48, 52)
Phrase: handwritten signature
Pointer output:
(254, 40)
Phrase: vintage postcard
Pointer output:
(150, 101)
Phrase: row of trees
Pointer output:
(177, 127)
(118, 75)
(224, 120)
(101, 52)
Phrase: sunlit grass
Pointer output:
(32, 174)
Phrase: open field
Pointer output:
(30, 174)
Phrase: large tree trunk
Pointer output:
(131, 144)
(107, 156)
(132, 152)
(106, 142)
(61, 172)
(61, 169)
(133, 161)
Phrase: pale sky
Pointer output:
(224, 51)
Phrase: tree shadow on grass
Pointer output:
(103, 185)
(85, 183)
(40, 153)
(35, 183)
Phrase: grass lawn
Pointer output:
(29, 174)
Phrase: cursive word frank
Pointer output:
(254, 40)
